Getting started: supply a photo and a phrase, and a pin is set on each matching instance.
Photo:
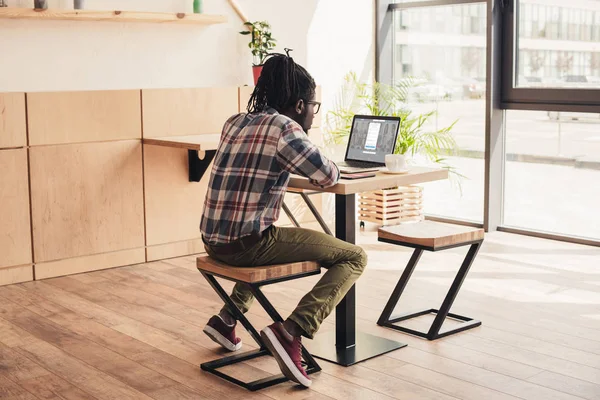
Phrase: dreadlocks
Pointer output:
(281, 84)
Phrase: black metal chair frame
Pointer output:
(386, 319)
(213, 366)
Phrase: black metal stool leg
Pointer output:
(451, 296)
(236, 312)
(434, 331)
(393, 301)
(213, 366)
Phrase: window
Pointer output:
(553, 63)
(448, 69)
(543, 163)
(552, 170)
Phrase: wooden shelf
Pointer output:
(114, 16)
(193, 142)
(201, 150)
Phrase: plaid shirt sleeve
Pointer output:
(298, 155)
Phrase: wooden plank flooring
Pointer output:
(136, 332)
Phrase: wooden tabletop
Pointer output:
(192, 142)
(380, 181)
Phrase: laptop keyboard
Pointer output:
(359, 164)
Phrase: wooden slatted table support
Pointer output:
(392, 206)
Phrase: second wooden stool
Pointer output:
(430, 236)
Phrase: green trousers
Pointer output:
(344, 262)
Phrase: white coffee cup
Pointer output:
(395, 162)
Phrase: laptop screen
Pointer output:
(372, 138)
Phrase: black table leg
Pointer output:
(346, 346)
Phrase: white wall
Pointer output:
(341, 38)
(330, 37)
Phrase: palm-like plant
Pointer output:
(357, 97)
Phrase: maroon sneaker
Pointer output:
(287, 350)
(221, 333)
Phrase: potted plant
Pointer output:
(392, 205)
(261, 44)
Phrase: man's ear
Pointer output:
(300, 106)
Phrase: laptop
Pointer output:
(371, 138)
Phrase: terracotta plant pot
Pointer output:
(256, 71)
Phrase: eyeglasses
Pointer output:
(317, 105)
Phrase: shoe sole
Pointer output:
(220, 339)
(285, 362)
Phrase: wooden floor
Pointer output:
(135, 332)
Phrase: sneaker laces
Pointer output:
(299, 347)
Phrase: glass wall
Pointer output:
(551, 165)
(442, 49)
(552, 173)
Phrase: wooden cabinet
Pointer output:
(87, 199)
(12, 120)
(15, 226)
(173, 204)
(77, 117)
(181, 112)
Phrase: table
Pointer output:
(346, 346)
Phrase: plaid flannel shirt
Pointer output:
(251, 171)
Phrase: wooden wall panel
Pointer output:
(76, 117)
(173, 204)
(86, 199)
(22, 273)
(179, 112)
(177, 249)
(15, 227)
(12, 120)
(94, 262)
(245, 93)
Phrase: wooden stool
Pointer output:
(431, 236)
(254, 278)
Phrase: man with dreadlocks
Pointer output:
(257, 153)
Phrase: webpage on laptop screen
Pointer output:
(372, 139)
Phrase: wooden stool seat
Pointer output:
(255, 274)
(254, 278)
(432, 235)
